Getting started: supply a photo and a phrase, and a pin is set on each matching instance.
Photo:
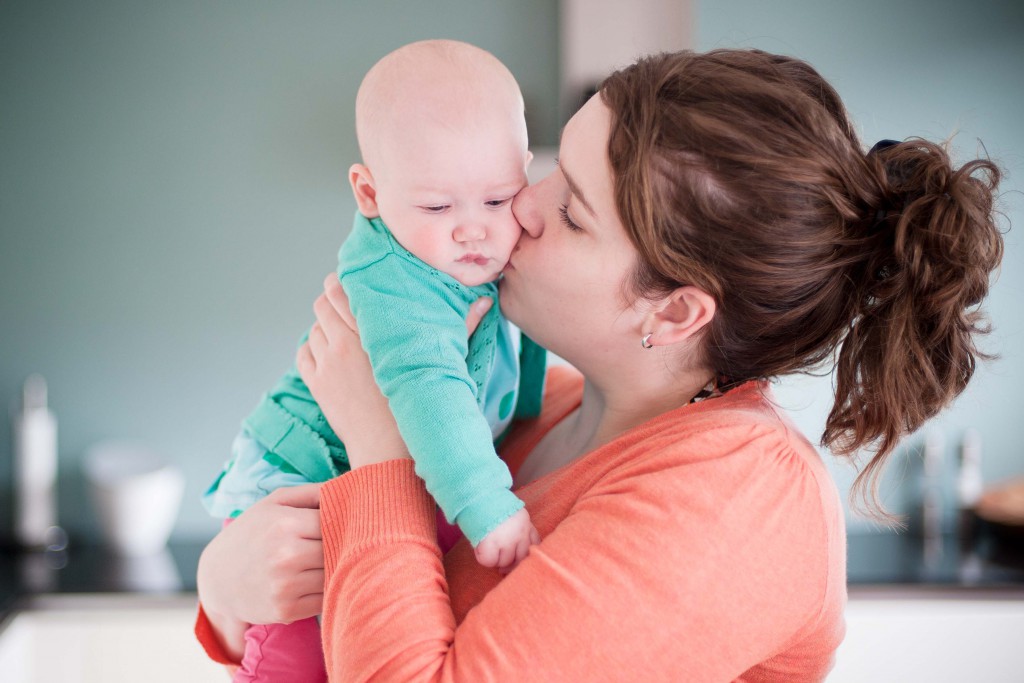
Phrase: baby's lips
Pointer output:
(478, 259)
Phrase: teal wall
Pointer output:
(172, 193)
(932, 68)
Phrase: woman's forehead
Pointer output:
(583, 155)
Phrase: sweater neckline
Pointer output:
(563, 395)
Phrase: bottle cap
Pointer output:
(33, 395)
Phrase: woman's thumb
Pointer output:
(477, 310)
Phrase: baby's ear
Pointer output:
(364, 189)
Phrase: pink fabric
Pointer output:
(283, 653)
(447, 534)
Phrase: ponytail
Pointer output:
(910, 348)
(752, 185)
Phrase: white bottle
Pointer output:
(970, 483)
(934, 455)
(34, 431)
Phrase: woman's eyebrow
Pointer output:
(575, 189)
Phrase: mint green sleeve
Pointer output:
(414, 332)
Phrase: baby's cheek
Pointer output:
(511, 232)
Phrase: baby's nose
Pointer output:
(469, 232)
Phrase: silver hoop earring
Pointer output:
(646, 341)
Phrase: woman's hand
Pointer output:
(337, 371)
(266, 566)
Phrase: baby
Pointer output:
(444, 148)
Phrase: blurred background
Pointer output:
(172, 190)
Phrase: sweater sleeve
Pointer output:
(415, 336)
(649, 577)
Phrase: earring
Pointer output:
(646, 341)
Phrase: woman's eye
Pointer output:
(563, 214)
(495, 203)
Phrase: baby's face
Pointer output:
(446, 196)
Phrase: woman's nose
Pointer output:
(469, 232)
(526, 210)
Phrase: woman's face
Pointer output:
(564, 285)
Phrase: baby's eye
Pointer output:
(437, 208)
(495, 203)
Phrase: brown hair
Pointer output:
(739, 172)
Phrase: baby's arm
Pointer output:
(414, 332)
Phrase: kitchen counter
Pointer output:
(988, 562)
(92, 569)
(936, 611)
(876, 563)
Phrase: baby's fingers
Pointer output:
(487, 553)
(522, 549)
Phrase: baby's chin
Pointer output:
(476, 282)
(476, 279)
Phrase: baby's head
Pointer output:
(443, 140)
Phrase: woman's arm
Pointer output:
(645, 579)
(635, 584)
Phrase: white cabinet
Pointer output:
(935, 639)
(901, 638)
(105, 639)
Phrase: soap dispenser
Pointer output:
(931, 496)
(34, 433)
(970, 484)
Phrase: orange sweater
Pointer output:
(704, 545)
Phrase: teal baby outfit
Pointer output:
(451, 397)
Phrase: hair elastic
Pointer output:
(883, 211)
(882, 144)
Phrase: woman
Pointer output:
(714, 222)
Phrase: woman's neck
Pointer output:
(606, 411)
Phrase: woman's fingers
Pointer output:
(335, 294)
(308, 525)
(317, 340)
(304, 496)
(331, 324)
(309, 605)
(477, 310)
(312, 581)
(305, 361)
(259, 567)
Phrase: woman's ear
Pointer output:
(679, 316)
(364, 189)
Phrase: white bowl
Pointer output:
(136, 494)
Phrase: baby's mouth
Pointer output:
(478, 259)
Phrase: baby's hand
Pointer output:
(507, 545)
